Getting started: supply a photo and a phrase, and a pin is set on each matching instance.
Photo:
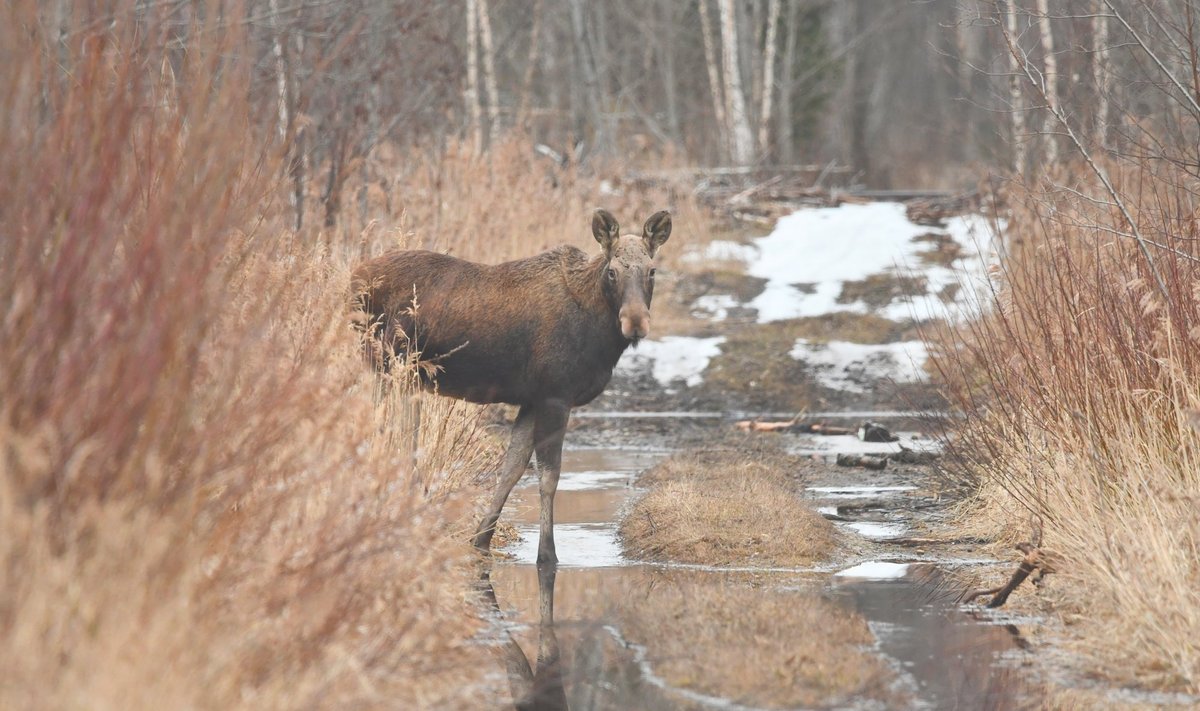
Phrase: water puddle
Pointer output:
(950, 657)
(606, 632)
(592, 545)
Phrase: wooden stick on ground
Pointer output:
(1034, 560)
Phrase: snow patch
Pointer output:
(672, 358)
(720, 250)
(851, 367)
(810, 253)
(715, 307)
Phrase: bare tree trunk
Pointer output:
(735, 100)
(531, 61)
(473, 106)
(287, 116)
(714, 78)
(489, 69)
(1015, 97)
(667, 52)
(786, 133)
(1100, 72)
(591, 88)
(768, 81)
(1049, 78)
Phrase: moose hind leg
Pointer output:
(520, 447)
(548, 432)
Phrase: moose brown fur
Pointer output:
(542, 333)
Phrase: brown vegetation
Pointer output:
(726, 508)
(206, 500)
(1080, 387)
(762, 647)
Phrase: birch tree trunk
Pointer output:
(1049, 79)
(1015, 98)
(714, 78)
(735, 100)
(489, 70)
(786, 132)
(531, 61)
(1100, 72)
(768, 81)
(473, 106)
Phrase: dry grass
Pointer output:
(202, 500)
(1081, 390)
(762, 647)
(726, 508)
(206, 499)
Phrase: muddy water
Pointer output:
(569, 637)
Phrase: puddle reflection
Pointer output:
(950, 655)
(538, 686)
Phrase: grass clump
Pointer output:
(725, 508)
(762, 647)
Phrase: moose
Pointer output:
(542, 333)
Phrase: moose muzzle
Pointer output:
(635, 322)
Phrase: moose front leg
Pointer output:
(520, 447)
(549, 428)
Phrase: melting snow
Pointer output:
(715, 306)
(852, 366)
(724, 251)
(673, 358)
(812, 252)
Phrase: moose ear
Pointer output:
(656, 231)
(605, 229)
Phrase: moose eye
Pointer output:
(612, 274)
(652, 273)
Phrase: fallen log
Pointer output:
(912, 456)
(865, 461)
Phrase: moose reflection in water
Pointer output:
(534, 687)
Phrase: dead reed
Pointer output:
(203, 501)
(1081, 387)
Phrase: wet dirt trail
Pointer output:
(570, 635)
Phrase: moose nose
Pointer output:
(635, 325)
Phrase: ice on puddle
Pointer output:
(875, 570)
(876, 531)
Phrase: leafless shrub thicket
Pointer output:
(1081, 382)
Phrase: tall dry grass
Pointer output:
(204, 502)
(1081, 389)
